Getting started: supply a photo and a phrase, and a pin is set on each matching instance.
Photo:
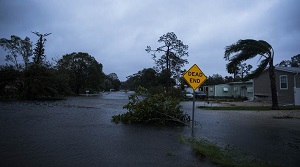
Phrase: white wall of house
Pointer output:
(297, 96)
(236, 89)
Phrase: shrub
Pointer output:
(155, 109)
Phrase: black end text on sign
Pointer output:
(195, 74)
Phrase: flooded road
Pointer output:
(256, 133)
(79, 132)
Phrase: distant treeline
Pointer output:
(28, 75)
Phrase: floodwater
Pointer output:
(79, 132)
(257, 133)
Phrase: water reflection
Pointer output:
(78, 132)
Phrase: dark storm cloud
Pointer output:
(117, 32)
(18, 16)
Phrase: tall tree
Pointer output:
(15, 47)
(228, 79)
(172, 59)
(82, 70)
(28, 80)
(114, 79)
(39, 56)
(284, 63)
(113, 76)
(248, 49)
(215, 79)
(239, 71)
(244, 70)
(107, 84)
(146, 78)
(294, 62)
(9, 80)
(39, 78)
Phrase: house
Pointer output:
(232, 89)
(242, 89)
(287, 83)
(221, 90)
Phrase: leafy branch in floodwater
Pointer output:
(158, 109)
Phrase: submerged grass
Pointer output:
(226, 157)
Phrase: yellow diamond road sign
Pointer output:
(194, 77)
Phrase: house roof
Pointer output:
(289, 69)
(241, 82)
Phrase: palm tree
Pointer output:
(248, 49)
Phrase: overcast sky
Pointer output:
(116, 32)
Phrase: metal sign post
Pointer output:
(195, 78)
(193, 114)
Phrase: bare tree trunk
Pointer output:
(168, 71)
(273, 86)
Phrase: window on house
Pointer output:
(249, 89)
(225, 89)
(283, 82)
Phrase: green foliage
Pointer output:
(247, 49)
(294, 62)
(114, 82)
(241, 70)
(226, 157)
(82, 72)
(172, 59)
(28, 79)
(36, 78)
(151, 80)
(39, 57)
(8, 83)
(38, 82)
(16, 47)
(156, 89)
(215, 79)
(147, 77)
(174, 50)
(141, 90)
(156, 109)
(106, 85)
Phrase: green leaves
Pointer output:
(16, 47)
(171, 61)
(247, 49)
(155, 109)
(243, 50)
(82, 71)
(39, 57)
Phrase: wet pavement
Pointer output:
(79, 132)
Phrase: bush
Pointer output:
(158, 109)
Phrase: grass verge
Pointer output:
(226, 157)
(256, 108)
